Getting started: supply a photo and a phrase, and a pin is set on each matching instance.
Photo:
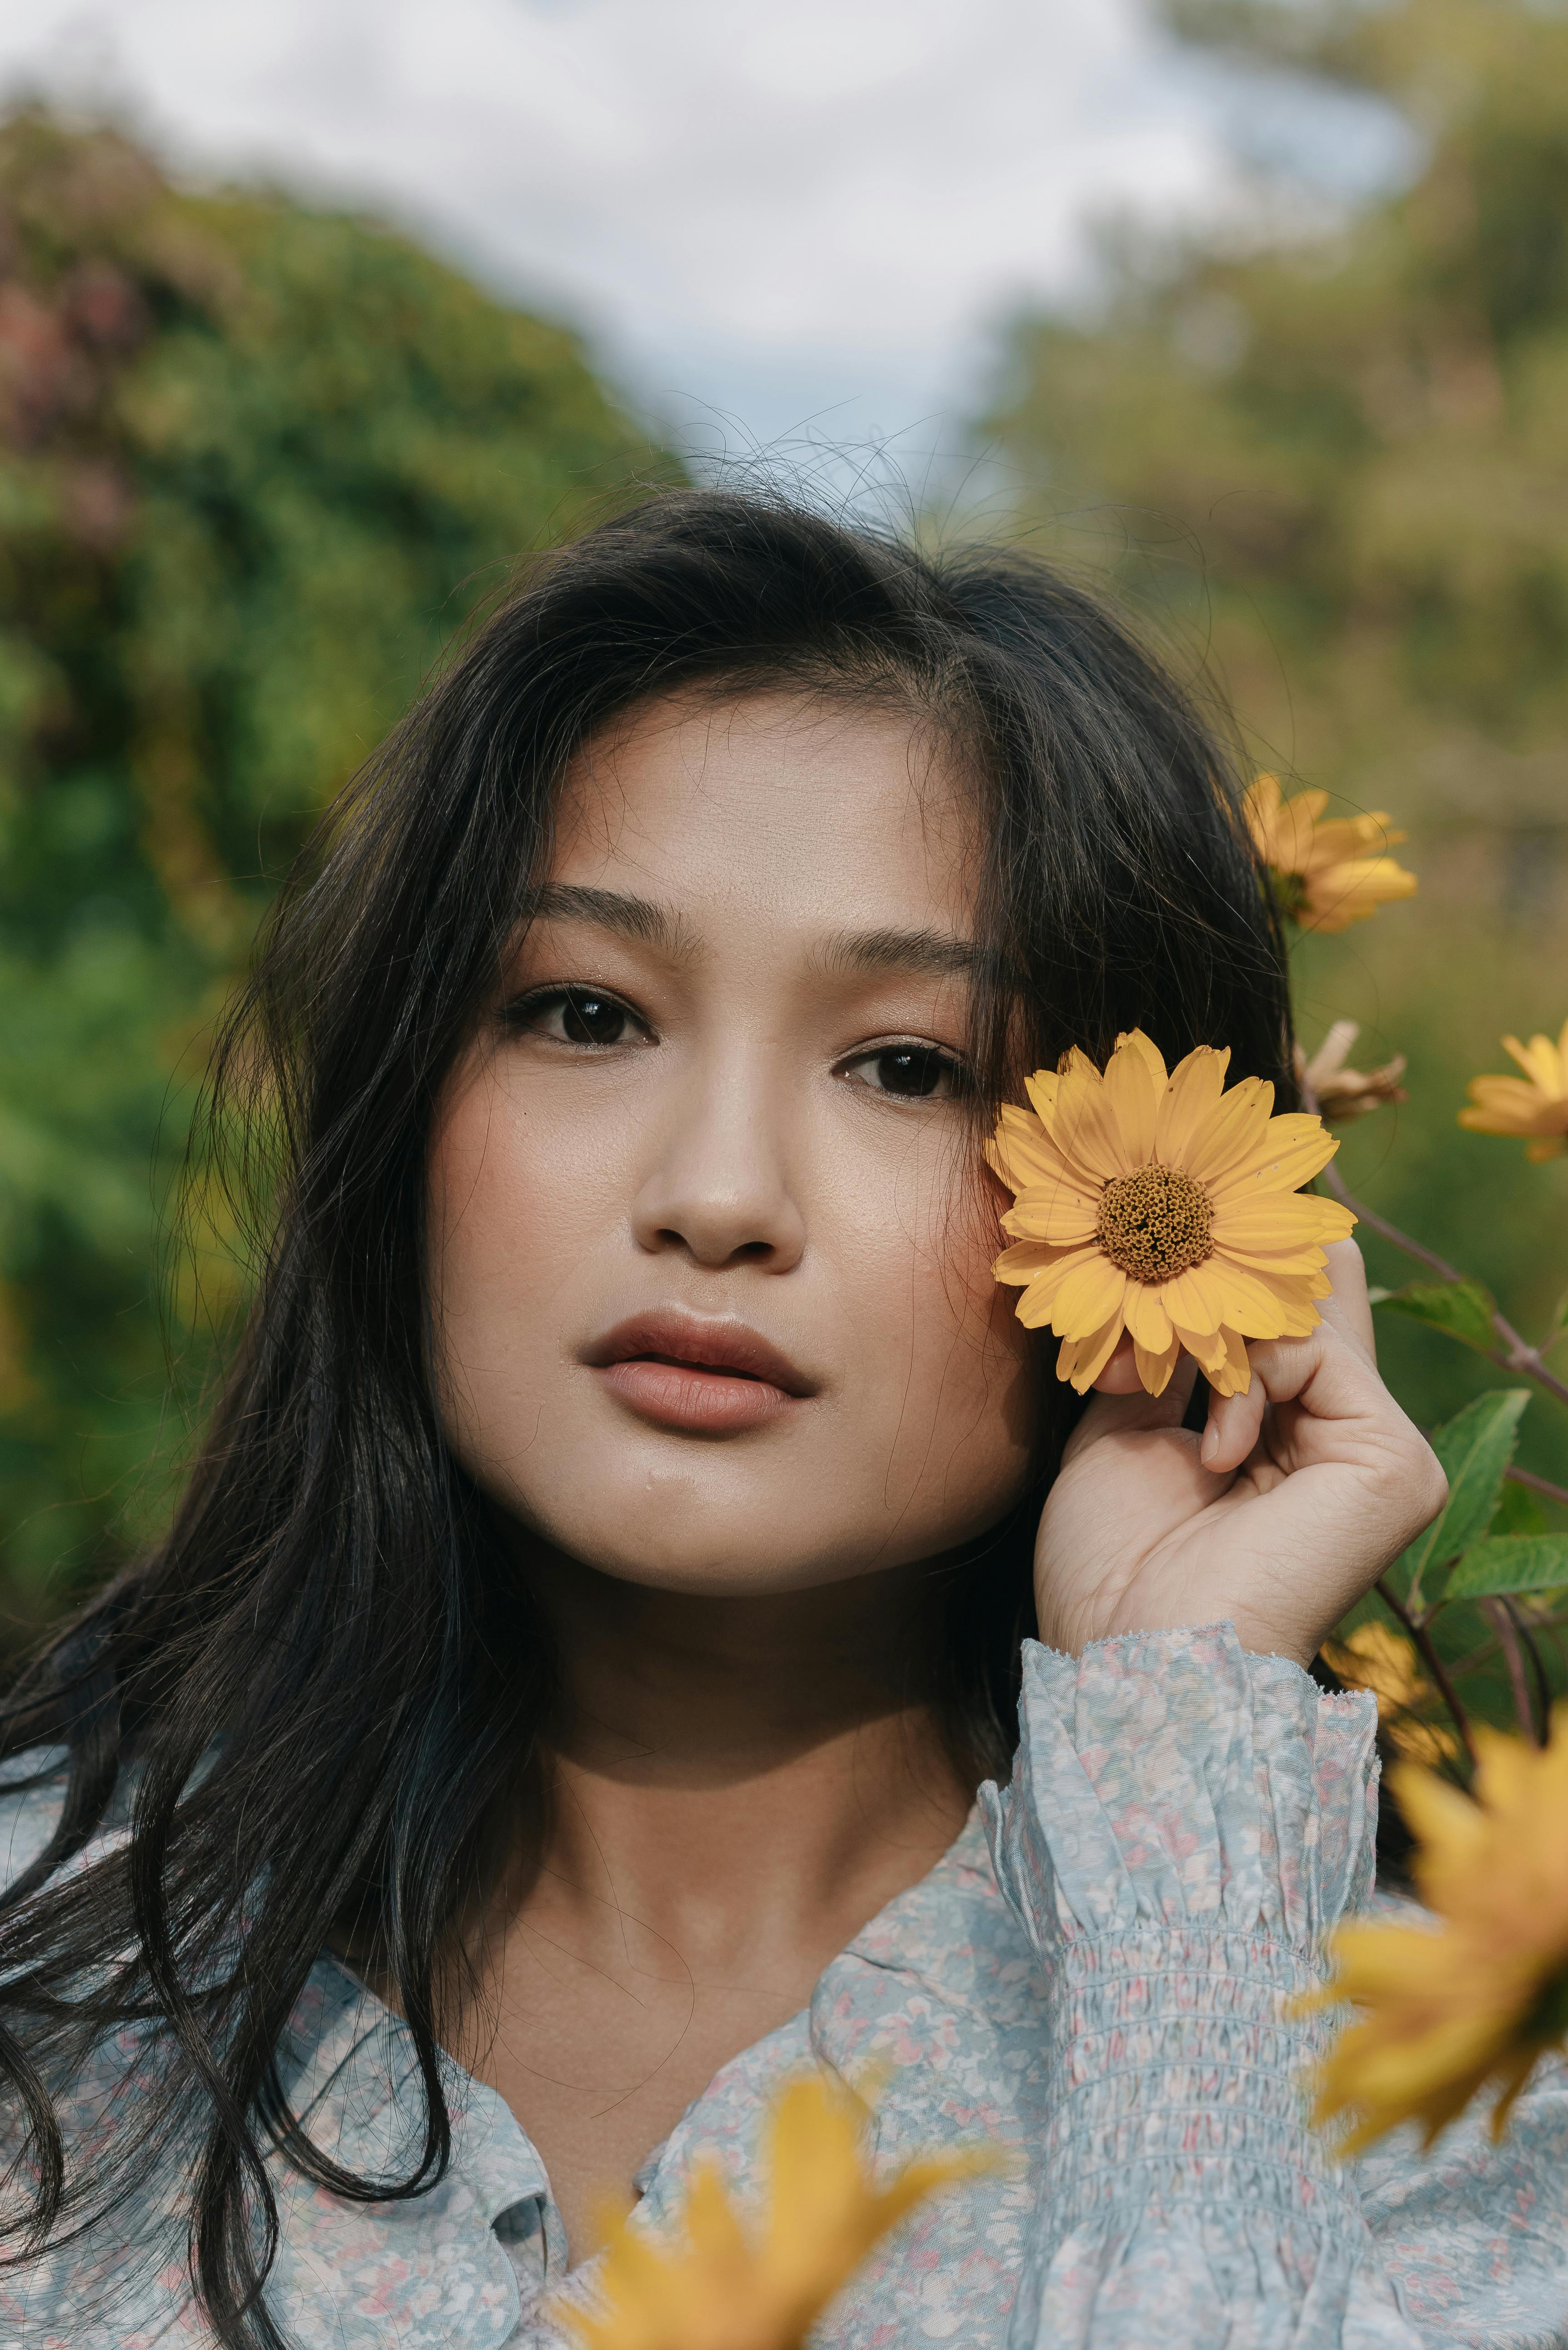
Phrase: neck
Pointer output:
(734, 1788)
(786, 1746)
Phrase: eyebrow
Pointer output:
(637, 918)
(928, 954)
(925, 953)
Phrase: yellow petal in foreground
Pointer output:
(722, 2285)
(1159, 1204)
(1535, 1106)
(1462, 2004)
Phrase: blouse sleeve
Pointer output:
(1184, 1822)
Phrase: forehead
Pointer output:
(780, 808)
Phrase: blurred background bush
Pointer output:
(258, 460)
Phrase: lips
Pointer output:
(705, 1375)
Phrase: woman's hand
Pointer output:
(1286, 1509)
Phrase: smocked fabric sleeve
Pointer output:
(1184, 1822)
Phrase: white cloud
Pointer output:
(778, 212)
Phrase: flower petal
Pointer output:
(1155, 1370)
(1191, 1302)
(1089, 1295)
(1290, 1220)
(1057, 1213)
(1234, 1374)
(1041, 1090)
(1038, 1300)
(1341, 894)
(1021, 1153)
(1025, 1262)
(1191, 1097)
(1256, 1308)
(1146, 1318)
(1292, 1150)
(1132, 1093)
(1234, 1129)
(1082, 1360)
(1084, 1125)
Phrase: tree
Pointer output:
(256, 464)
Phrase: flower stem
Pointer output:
(1426, 1647)
(1538, 1485)
(1499, 1615)
(1515, 1353)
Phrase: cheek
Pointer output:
(513, 1204)
(954, 1375)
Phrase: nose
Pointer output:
(719, 1188)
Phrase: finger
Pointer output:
(1348, 1307)
(1120, 1374)
(1232, 1428)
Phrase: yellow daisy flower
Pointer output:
(1475, 1996)
(1328, 875)
(1165, 1206)
(725, 2287)
(1535, 1104)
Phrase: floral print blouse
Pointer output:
(1097, 1975)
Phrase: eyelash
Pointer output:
(518, 1017)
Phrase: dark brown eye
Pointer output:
(576, 1015)
(910, 1072)
(589, 1019)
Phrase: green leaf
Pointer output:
(1518, 1512)
(1475, 1447)
(1511, 1562)
(1464, 1309)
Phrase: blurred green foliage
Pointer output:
(1327, 454)
(256, 464)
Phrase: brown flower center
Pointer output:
(1155, 1223)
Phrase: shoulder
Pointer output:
(32, 1798)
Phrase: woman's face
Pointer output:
(709, 1259)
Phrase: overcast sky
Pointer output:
(803, 218)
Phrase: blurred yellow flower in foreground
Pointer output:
(1535, 1104)
(1376, 1657)
(1475, 1996)
(1341, 1094)
(1165, 1206)
(1328, 875)
(722, 2287)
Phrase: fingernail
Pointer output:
(1211, 1442)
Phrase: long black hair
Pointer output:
(317, 1701)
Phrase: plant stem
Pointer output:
(1499, 1615)
(1426, 1648)
(1516, 1353)
(1538, 1485)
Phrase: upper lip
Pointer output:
(710, 1342)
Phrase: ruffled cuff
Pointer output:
(1184, 1822)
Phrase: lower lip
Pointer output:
(686, 1396)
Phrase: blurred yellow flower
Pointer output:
(1535, 1104)
(1328, 875)
(1340, 1093)
(1162, 1205)
(1376, 1657)
(1474, 1997)
(721, 2286)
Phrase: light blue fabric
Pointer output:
(1095, 1976)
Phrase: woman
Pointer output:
(558, 1710)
